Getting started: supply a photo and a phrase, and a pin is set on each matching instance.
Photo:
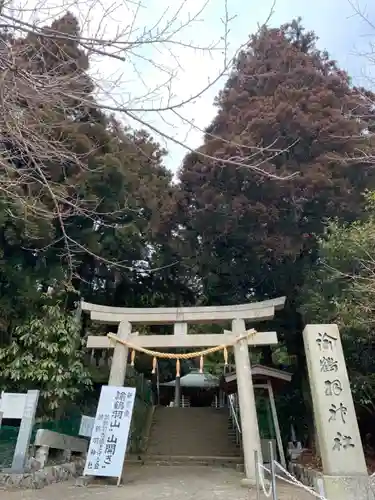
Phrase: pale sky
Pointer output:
(154, 72)
(341, 32)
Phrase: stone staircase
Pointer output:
(192, 436)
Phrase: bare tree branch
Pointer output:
(36, 104)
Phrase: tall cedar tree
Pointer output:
(122, 190)
(250, 236)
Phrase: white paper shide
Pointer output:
(110, 432)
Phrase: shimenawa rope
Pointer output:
(178, 357)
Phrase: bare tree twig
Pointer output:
(40, 101)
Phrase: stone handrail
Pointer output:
(46, 440)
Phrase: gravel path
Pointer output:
(158, 482)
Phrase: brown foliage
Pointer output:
(285, 95)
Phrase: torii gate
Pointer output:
(180, 317)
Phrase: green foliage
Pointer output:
(46, 354)
(111, 226)
(113, 221)
(341, 289)
(345, 271)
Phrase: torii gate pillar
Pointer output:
(248, 412)
(120, 356)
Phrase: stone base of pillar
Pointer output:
(252, 484)
(348, 487)
(247, 482)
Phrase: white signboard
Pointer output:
(110, 434)
(87, 425)
(12, 405)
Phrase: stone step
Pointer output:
(224, 461)
(186, 449)
(198, 431)
(219, 445)
(191, 437)
(190, 425)
(199, 422)
(195, 432)
(191, 413)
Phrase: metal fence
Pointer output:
(8, 438)
(268, 485)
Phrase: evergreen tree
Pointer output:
(86, 201)
(288, 109)
(340, 289)
(250, 235)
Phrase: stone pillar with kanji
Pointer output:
(344, 467)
